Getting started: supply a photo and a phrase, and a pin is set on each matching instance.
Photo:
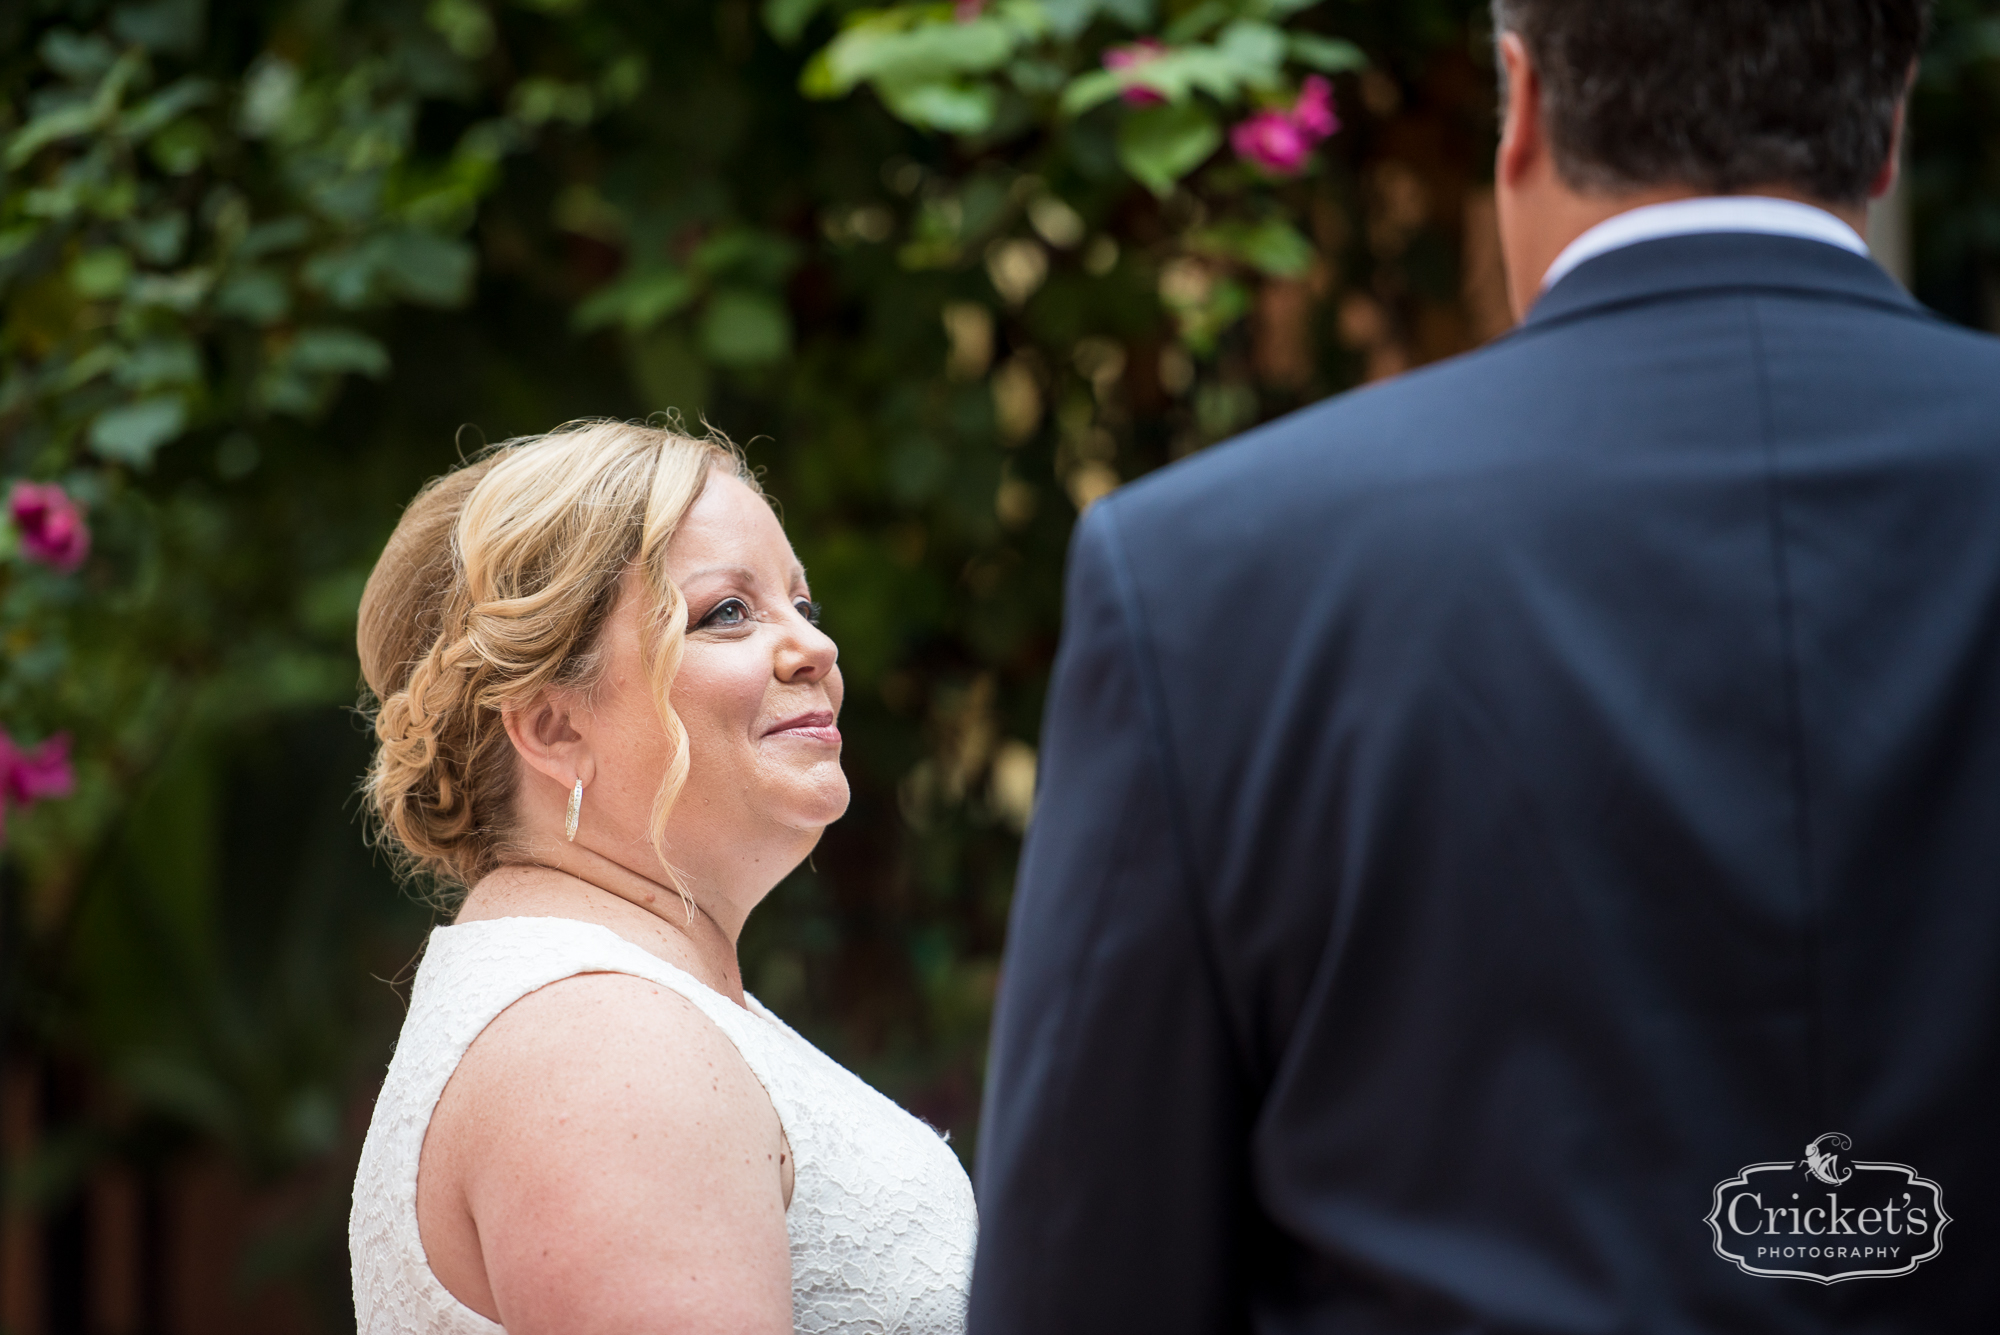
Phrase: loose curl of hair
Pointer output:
(495, 587)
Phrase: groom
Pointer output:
(1493, 823)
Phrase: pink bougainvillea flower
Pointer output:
(1273, 141)
(51, 525)
(1313, 112)
(34, 775)
(38, 773)
(1279, 142)
(1129, 56)
(965, 11)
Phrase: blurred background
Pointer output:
(949, 272)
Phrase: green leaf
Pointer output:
(134, 433)
(1198, 22)
(270, 93)
(538, 101)
(17, 239)
(1247, 55)
(104, 357)
(58, 123)
(623, 79)
(1272, 246)
(884, 48)
(277, 234)
(256, 295)
(180, 292)
(744, 329)
(464, 24)
(181, 147)
(171, 26)
(764, 258)
(426, 268)
(102, 273)
(950, 107)
(334, 350)
(1326, 53)
(1255, 51)
(1159, 145)
(786, 20)
(1088, 90)
(638, 301)
(158, 240)
(160, 361)
(1068, 18)
(164, 106)
(407, 263)
(78, 58)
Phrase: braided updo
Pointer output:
(494, 587)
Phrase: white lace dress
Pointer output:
(881, 1220)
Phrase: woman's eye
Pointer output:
(807, 609)
(730, 612)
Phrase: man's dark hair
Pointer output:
(1720, 95)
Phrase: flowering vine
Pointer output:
(1218, 103)
(1279, 141)
(51, 525)
(34, 774)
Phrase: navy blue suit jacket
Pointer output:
(1482, 813)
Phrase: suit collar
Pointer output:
(1718, 261)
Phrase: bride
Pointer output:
(607, 712)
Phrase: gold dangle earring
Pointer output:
(575, 810)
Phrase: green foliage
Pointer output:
(1159, 145)
(264, 268)
(1953, 169)
(998, 69)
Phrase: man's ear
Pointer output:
(1885, 180)
(546, 737)
(1523, 140)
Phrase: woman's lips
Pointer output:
(816, 727)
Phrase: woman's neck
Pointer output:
(654, 917)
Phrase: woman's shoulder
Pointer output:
(578, 998)
(622, 1035)
(588, 1018)
(600, 1107)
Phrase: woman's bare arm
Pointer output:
(603, 1160)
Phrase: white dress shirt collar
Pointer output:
(1718, 213)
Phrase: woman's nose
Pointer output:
(809, 653)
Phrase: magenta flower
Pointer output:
(1273, 141)
(51, 525)
(35, 775)
(1313, 112)
(965, 11)
(1130, 56)
(28, 777)
(1279, 142)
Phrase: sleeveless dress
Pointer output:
(881, 1221)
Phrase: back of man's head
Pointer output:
(1720, 95)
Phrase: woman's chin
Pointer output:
(821, 804)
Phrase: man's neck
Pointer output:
(1568, 214)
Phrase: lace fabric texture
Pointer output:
(881, 1222)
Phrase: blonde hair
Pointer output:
(496, 586)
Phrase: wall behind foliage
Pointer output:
(267, 267)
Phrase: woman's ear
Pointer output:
(546, 737)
